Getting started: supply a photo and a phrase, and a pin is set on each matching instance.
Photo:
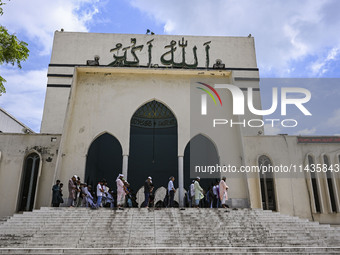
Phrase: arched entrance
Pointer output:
(104, 160)
(200, 151)
(29, 182)
(267, 185)
(153, 146)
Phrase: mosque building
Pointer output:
(161, 106)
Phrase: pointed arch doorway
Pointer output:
(104, 160)
(29, 182)
(200, 151)
(153, 146)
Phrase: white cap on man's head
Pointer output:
(150, 178)
(198, 178)
(75, 176)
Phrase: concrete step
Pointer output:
(153, 229)
(175, 250)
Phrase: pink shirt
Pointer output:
(223, 189)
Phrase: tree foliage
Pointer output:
(12, 50)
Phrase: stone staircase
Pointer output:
(165, 231)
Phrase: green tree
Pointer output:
(12, 50)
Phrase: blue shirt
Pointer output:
(170, 186)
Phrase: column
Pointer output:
(181, 181)
(125, 166)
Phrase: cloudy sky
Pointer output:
(294, 39)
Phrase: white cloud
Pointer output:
(285, 31)
(320, 66)
(25, 95)
(36, 21)
(270, 130)
(44, 17)
(306, 131)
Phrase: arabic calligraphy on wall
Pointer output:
(153, 123)
(128, 56)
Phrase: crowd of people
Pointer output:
(215, 197)
(82, 195)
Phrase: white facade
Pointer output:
(104, 89)
(74, 49)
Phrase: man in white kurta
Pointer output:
(198, 192)
(223, 192)
(120, 191)
(192, 193)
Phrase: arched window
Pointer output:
(29, 182)
(330, 183)
(267, 184)
(313, 177)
